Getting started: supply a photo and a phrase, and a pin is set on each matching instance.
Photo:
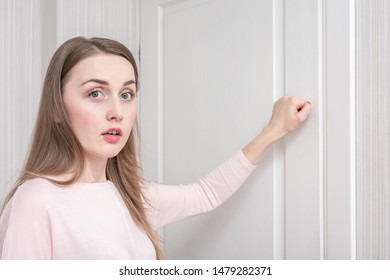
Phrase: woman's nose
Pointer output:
(115, 111)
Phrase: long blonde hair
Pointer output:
(55, 149)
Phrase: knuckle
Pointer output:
(301, 118)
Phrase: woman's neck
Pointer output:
(94, 171)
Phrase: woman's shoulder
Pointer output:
(30, 203)
(35, 191)
(36, 184)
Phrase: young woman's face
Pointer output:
(100, 100)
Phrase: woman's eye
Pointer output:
(127, 95)
(94, 94)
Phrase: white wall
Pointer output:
(20, 82)
(373, 130)
(113, 19)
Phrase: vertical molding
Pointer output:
(322, 108)
(279, 192)
(373, 131)
(352, 129)
(20, 80)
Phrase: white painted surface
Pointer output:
(320, 167)
(210, 73)
(339, 114)
(304, 149)
(202, 82)
(373, 131)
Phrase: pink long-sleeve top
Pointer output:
(91, 221)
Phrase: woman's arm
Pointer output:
(171, 203)
(288, 113)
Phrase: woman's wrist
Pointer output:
(254, 150)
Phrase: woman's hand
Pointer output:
(288, 113)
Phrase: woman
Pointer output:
(81, 194)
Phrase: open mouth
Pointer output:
(112, 135)
(113, 131)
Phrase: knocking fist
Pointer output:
(288, 113)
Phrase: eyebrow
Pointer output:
(102, 82)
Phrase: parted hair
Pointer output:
(55, 150)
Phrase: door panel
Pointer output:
(215, 92)
(210, 72)
(304, 186)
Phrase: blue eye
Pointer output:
(127, 95)
(94, 94)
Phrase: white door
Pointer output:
(210, 72)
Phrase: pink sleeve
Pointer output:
(25, 226)
(169, 203)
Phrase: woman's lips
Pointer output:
(112, 135)
(111, 138)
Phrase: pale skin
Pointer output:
(100, 95)
(288, 114)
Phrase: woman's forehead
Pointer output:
(103, 66)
